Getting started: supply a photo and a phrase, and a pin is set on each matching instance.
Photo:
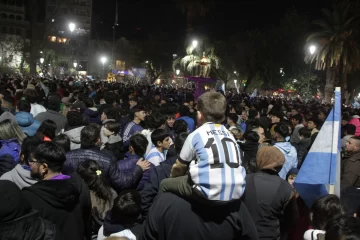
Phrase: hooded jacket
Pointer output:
(65, 203)
(92, 116)
(74, 135)
(267, 195)
(189, 121)
(20, 176)
(115, 145)
(27, 123)
(291, 160)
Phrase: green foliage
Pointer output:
(299, 83)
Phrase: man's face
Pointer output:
(294, 112)
(274, 119)
(166, 143)
(294, 121)
(344, 122)
(352, 145)
(157, 97)
(244, 115)
(103, 117)
(311, 125)
(141, 115)
(322, 116)
(229, 121)
(132, 103)
(291, 180)
(162, 102)
(36, 169)
(261, 133)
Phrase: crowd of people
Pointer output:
(105, 160)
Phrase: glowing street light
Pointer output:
(235, 81)
(312, 49)
(235, 72)
(177, 71)
(72, 27)
(194, 44)
(103, 60)
(146, 62)
(75, 64)
(42, 60)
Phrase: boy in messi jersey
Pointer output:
(216, 173)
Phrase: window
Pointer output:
(52, 38)
(3, 15)
(18, 31)
(12, 30)
(51, 9)
(19, 3)
(62, 40)
(18, 17)
(12, 17)
(4, 29)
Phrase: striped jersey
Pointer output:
(155, 157)
(217, 170)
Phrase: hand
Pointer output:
(145, 165)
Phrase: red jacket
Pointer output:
(356, 122)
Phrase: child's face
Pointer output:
(166, 143)
(291, 180)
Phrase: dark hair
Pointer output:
(139, 143)
(297, 117)
(109, 97)
(276, 113)
(343, 228)
(282, 129)
(62, 141)
(51, 154)
(305, 132)
(155, 120)
(325, 209)
(54, 103)
(46, 129)
(96, 182)
(317, 122)
(24, 106)
(233, 117)
(179, 141)
(253, 113)
(350, 129)
(159, 135)
(212, 106)
(112, 113)
(113, 126)
(126, 208)
(180, 126)
(74, 119)
(184, 111)
(31, 95)
(134, 99)
(89, 136)
(251, 136)
(28, 146)
(88, 102)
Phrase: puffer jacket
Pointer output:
(27, 123)
(291, 160)
(119, 180)
(128, 165)
(91, 115)
(74, 135)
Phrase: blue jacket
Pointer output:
(189, 121)
(129, 164)
(151, 188)
(291, 160)
(27, 123)
(119, 180)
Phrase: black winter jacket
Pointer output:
(65, 203)
(151, 188)
(119, 180)
(248, 153)
(28, 227)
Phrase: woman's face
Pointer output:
(170, 121)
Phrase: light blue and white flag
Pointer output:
(254, 93)
(321, 168)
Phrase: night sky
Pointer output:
(139, 17)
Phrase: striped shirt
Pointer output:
(217, 170)
(130, 129)
(155, 157)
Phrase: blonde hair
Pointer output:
(10, 129)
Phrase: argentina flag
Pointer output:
(320, 171)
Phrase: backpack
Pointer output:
(10, 147)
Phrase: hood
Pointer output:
(20, 176)
(114, 139)
(111, 227)
(24, 119)
(249, 146)
(270, 158)
(285, 147)
(74, 134)
(7, 115)
(91, 113)
(61, 194)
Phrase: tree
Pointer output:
(338, 49)
(15, 48)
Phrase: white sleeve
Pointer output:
(187, 153)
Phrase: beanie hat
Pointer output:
(12, 203)
(74, 118)
(270, 158)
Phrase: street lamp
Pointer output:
(312, 50)
(103, 60)
(177, 72)
(75, 64)
(146, 62)
(72, 27)
(234, 73)
(194, 44)
(42, 60)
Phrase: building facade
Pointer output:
(68, 26)
(14, 34)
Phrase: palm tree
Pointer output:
(198, 63)
(338, 48)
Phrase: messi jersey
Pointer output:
(216, 170)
